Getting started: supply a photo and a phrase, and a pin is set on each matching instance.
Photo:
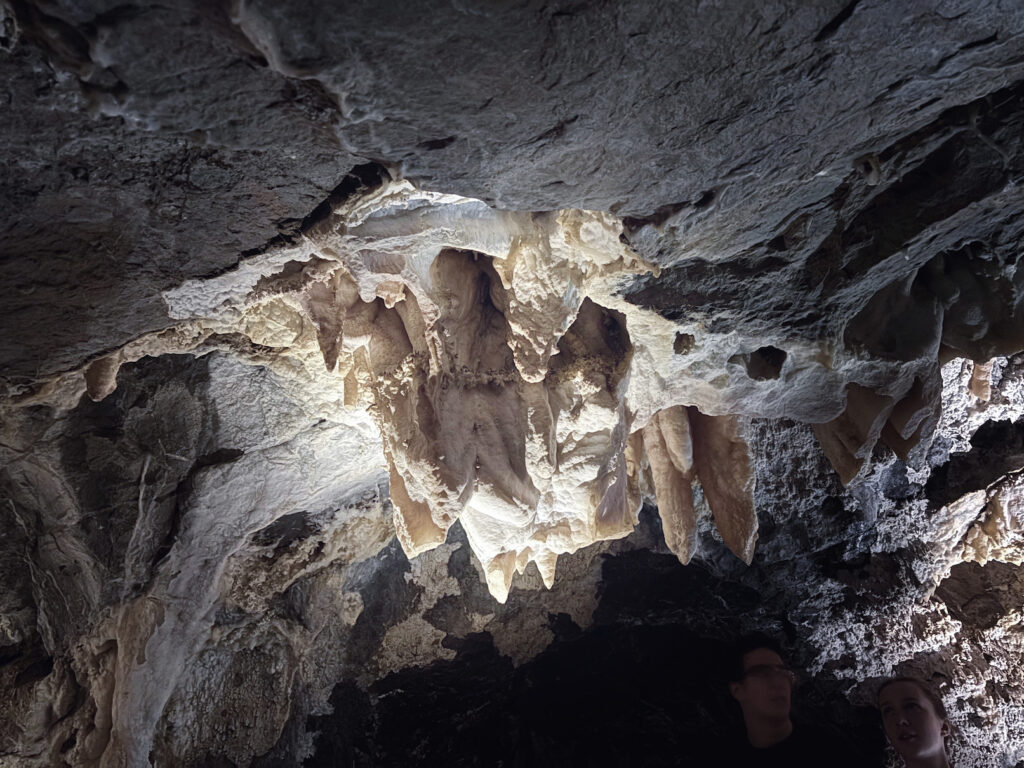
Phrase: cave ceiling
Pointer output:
(365, 359)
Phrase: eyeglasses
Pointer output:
(768, 671)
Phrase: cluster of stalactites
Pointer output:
(900, 421)
(532, 469)
(961, 303)
(496, 357)
(682, 444)
(499, 381)
(518, 430)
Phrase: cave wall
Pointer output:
(501, 361)
(314, 636)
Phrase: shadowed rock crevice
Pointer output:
(669, 679)
(978, 595)
(997, 448)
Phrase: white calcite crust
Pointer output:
(507, 375)
(504, 372)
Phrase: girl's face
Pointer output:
(911, 723)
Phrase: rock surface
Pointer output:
(324, 323)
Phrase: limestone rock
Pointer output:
(1000, 535)
(669, 448)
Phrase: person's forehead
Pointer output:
(760, 656)
(900, 692)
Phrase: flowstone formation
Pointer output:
(498, 362)
(502, 362)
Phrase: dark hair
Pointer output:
(745, 645)
(931, 695)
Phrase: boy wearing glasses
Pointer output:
(762, 683)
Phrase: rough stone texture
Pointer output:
(262, 261)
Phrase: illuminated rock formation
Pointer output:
(503, 380)
(683, 443)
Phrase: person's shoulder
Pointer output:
(734, 751)
(815, 734)
(737, 754)
(819, 741)
(736, 745)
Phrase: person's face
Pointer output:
(911, 723)
(766, 687)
